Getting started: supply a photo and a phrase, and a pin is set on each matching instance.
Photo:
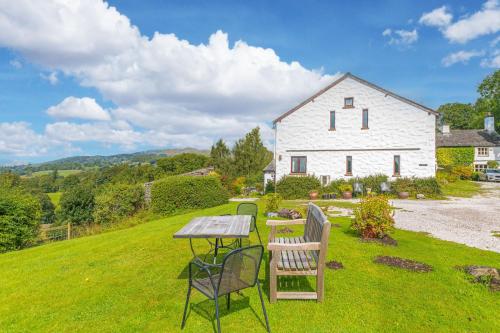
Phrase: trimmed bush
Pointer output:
(291, 187)
(186, 192)
(462, 171)
(77, 205)
(116, 202)
(428, 186)
(404, 184)
(20, 215)
(373, 217)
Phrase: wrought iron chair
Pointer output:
(239, 270)
(248, 208)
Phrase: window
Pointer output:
(332, 120)
(480, 167)
(299, 164)
(348, 166)
(482, 151)
(397, 165)
(365, 119)
(348, 102)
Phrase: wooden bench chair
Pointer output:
(299, 256)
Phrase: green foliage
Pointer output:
(458, 115)
(20, 215)
(489, 102)
(237, 185)
(48, 208)
(270, 188)
(77, 205)
(373, 182)
(220, 158)
(462, 171)
(185, 192)
(250, 156)
(428, 186)
(9, 179)
(453, 156)
(345, 187)
(444, 177)
(116, 202)
(373, 217)
(492, 164)
(182, 163)
(291, 187)
(273, 202)
(69, 181)
(403, 184)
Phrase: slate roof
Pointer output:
(468, 138)
(270, 167)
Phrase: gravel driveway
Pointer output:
(468, 221)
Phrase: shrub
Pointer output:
(462, 171)
(476, 176)
(273, 201)
(20, 215)
(373, 182)
(48, 209)
(291, 187)
(237, 185)
(492, 164)
(373, 217)
(403, 184)
(77, 205)
(269, 187)
(116, 202)
(186, 192)
(427, 186)
(182, 163)
(345, 187)
(453, 156)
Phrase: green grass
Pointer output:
(136, 280)
(55, 198)
(62, 173)
(461, 188)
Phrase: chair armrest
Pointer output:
(291, 247)
(285, 222)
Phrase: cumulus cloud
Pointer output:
(460, 57)
(18, 139)
(493, 61)
(163, 84)
(483, 22)
(439, 17)
(82, 108)
(401, 37)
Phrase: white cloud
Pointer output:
(460, 57)
(164, 85)
(19, 139)
(495, 41)
(83, 108)
(439, 17)
(51, 77)
(401, 37)
(16, 63)
(493, 61)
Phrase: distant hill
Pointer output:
(85, 162)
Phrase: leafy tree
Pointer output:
(458, 115)
(182, 163)
(220, 157)
(48, 209)
(19, 219)
(250, 155)
(489, 102)
(9, 179)
(77, 205)
(69, 181)
(116, 202)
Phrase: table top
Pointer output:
(227, 226)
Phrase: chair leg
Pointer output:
(228, 300)
(263, 307)
(186, 307)
(217, 312)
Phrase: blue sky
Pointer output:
(93, 79)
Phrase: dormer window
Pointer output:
(348, 102)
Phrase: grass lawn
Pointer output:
(461, 188)
(62, 173)
(136, 280)
(55, 198)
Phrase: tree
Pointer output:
(77, 205)
(182, 163)
(220, 157)
(489, 102)
(458, 115)
(250, 155)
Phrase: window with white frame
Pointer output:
(483, 151)
(480, 167)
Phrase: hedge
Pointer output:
(116, 202)
(455, 156)
(291, 187)
(187, 192)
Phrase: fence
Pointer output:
(48, 233)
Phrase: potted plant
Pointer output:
(346, 190)
(313, 194)
(402, 187)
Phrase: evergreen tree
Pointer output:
(220, 158)
(250, 155)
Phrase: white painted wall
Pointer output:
(393, 125)
(268, 176)
(494, 154)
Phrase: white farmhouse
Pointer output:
(353, 128)
(486, 142)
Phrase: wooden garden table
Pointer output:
(218, 227)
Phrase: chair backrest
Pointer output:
(247, 208)
(317, 228)
(240, 269)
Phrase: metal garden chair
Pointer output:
(248, 208)
(239, 270)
